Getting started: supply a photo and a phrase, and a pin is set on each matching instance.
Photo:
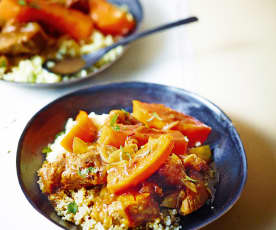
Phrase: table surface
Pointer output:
(228, 57)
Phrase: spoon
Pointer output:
(73, 65)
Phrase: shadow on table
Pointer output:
(257, 206)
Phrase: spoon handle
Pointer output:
(136, 36)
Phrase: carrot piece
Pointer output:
(110, 19)
(84, 129)
(145, 162)
(159, 116)
(52, 16)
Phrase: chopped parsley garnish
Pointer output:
(157, 116)
(22, 2)
(59, 134)
(154, 115)
(126, 112)
(30, 4)
(116, 128)
(72, 207)
(113, 122)
(187, 178)
(46, 149)
(3, 64)
(84, 172)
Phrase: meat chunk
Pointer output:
(83, 170)
(194, 162)
(174, 199)
(185, 173)
(143, 210)
(172, 173)
(23, 39)
(152, 188)
(194, 201)
(176, 174)
(130, 209)
(50, 175)
(72, 171)
(137, 209)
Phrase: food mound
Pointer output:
(32, 31)
(122, 170)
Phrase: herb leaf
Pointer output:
(154, 115)
(116, 128)
(59, 134)
(72, 207)
(3, 64)
(113, 122)
(92, 169)
(84, 172)
(126, 112)
(46, 149)
(157, 116)
(22, 2)
(187, 178)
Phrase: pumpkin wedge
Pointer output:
(110, 19)
(145, 162)
(84, 129)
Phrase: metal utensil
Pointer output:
(73, 65)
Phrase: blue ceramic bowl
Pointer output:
(229, 155)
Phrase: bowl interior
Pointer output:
(229, 155)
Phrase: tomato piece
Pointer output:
(52, 16)
(145, 162)
(159, 116)
(142, 134)
(84, 129)
(110, 19)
